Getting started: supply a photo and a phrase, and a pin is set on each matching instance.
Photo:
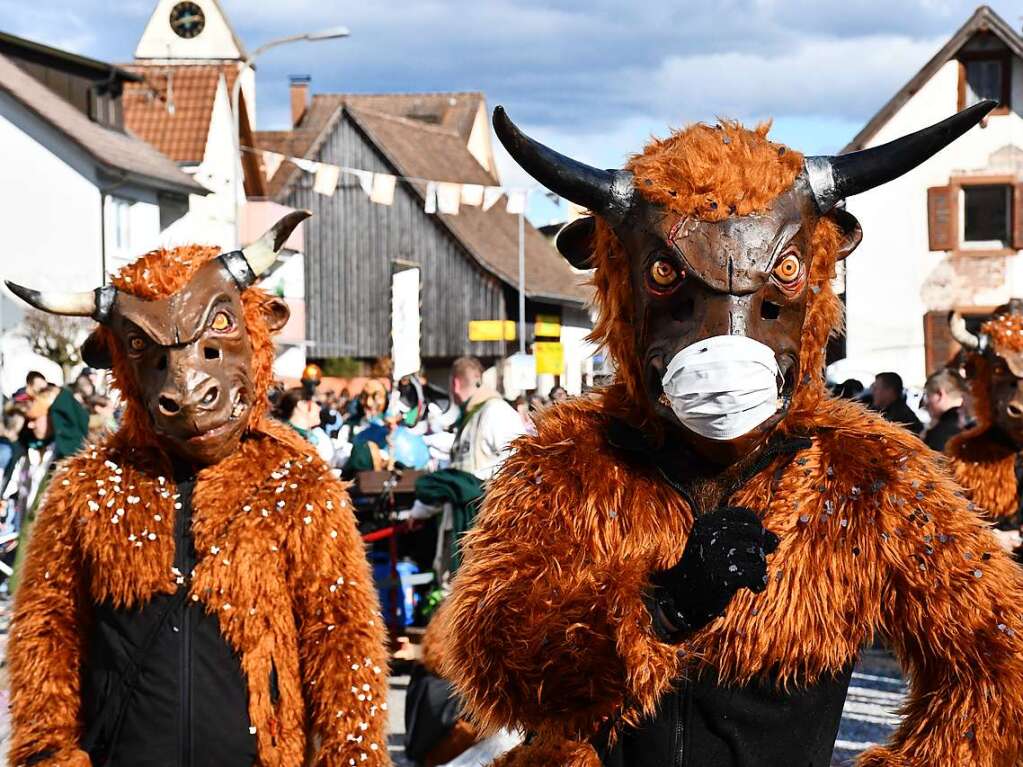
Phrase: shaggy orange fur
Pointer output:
(982, 464)
(554, 636)
(280, 562)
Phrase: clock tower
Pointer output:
(189, 31)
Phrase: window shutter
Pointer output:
(942, 218)
(1017, 217)
(939, 346)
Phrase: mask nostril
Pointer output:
(211, 396)
(769, 310)
(168, 406)
(1015, 411)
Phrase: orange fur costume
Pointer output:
(548, 628)
(279, 561)
(983, 464)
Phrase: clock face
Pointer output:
(186, 20)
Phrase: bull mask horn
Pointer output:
(966, 339)
(608, 193)
(246, 265)
(89, 303)
(833, 178)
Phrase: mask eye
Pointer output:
(137, 343)
(788, 269)
(664, 276)
(221, 322)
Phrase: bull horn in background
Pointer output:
(608, 193)
(966, 339)
(246, 265)
(833, 178)
(90, 303)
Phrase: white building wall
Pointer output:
(51, 206)
(886, 274)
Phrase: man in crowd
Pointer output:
(889, 399)
(943, 398)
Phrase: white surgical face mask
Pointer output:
(724, 386)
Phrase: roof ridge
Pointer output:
(408, 93)
(408, 121)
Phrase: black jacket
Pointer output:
(946, 427)
(704, 723)
(901, 413)
(189, 707)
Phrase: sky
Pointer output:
(592, 78)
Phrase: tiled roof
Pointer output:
(434, 150)
(172, 107)
(110, 148)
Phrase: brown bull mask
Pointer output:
(742, 276)
(996, 354)
(189, 353)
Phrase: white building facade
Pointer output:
(946, 235)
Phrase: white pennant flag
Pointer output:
(491, 195)
(383, 188)
(431, 197)
(326, 179)
(517, 201)
(271, 162)
(472, 194)
(309, 166)
(448, 196)
(365, 179)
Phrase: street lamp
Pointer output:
(330, 33)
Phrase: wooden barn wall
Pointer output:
(352, 246)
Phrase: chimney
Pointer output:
(299, 97)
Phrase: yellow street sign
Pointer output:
(547, 326)
(491, 330)
(550, 357)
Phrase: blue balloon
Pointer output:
(409, 449)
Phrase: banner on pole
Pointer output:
(550, 357)
(491, 330)
(405, 323)
(520, 372)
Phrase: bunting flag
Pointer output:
(517, 201)
(491, 195)
(472, 194)
(383, 188)
(271, 162)
(448, 197)
(326, 179)
(444, 197)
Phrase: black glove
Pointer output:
(727, 551)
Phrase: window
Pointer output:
(987, 215)
(986, 75)
(120, 223)
(983, 80)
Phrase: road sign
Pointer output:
(547, 326)
(491, 330)
(550, 357)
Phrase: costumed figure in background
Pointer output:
(195, 590)
(683, 568)
(987, 459)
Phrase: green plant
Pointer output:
(342, 367)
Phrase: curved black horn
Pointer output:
(608, 193)
(834, 178)
(87, 303)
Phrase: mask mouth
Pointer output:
(211, 428)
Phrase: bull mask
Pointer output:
(189, 353)
(745, 276)
(1001, 365)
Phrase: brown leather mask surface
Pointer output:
(728, 285)
(191, 357)
(1006, 371)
